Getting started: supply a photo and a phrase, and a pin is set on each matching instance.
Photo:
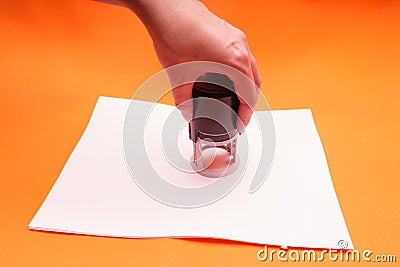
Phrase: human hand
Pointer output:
(186, 31)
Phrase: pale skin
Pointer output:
(185, 31)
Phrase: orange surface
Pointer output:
(340, 58)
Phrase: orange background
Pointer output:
(340, 58)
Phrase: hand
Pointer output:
(185, 31)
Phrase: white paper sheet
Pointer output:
(96, 195)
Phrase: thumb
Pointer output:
(182, 95)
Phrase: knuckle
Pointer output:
(240, 56)
(241, 35)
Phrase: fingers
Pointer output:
(183, 100)
(247, 88)
(245, 113)
(242, 71)
(248, 97)
(254, 69)
(247, 94)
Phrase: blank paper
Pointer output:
(96, 195)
